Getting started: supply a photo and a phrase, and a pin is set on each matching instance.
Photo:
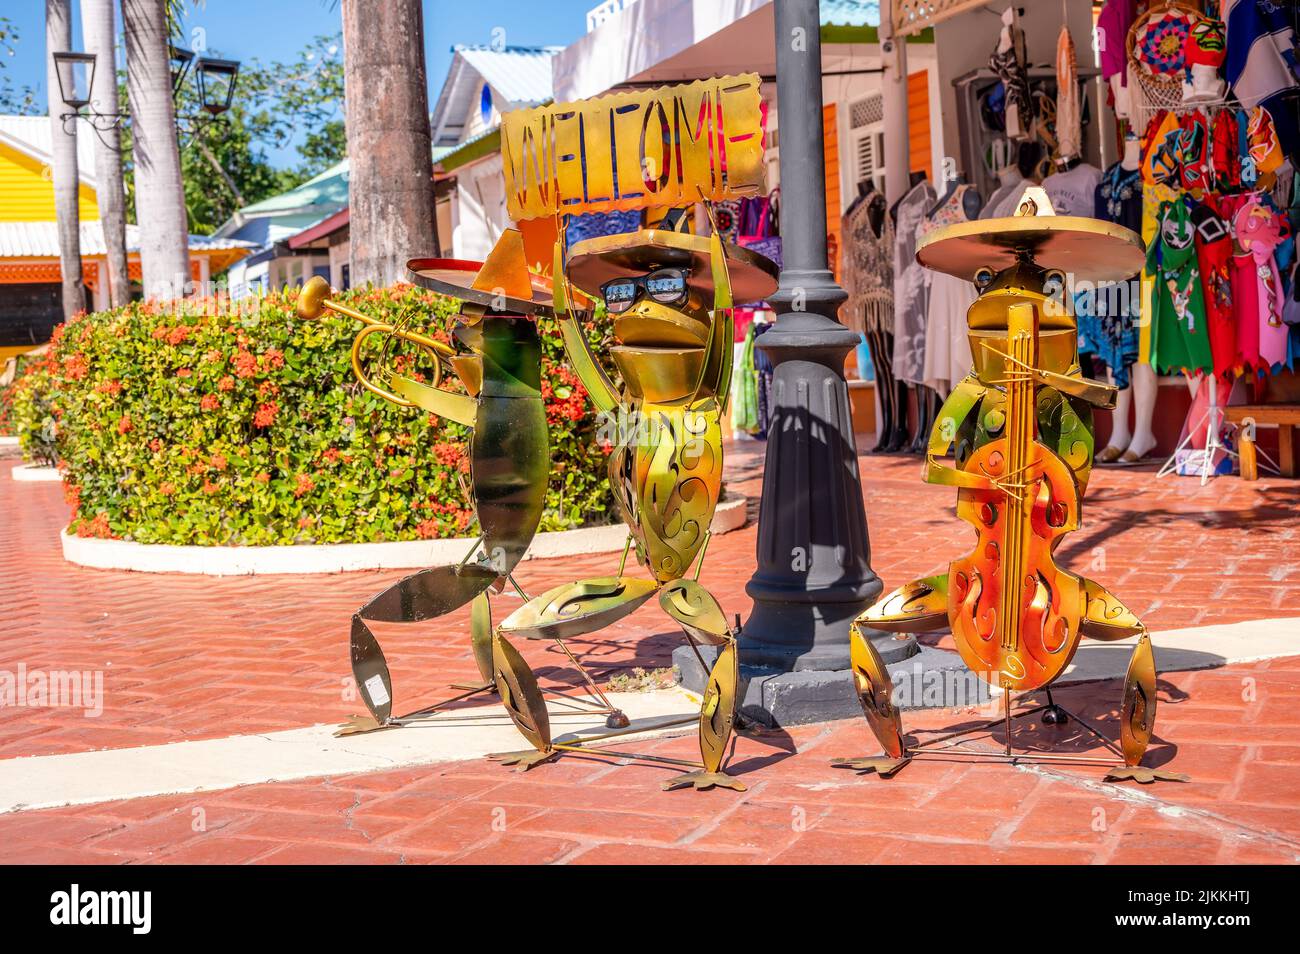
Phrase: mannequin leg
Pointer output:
(1120, 433)
(882, 348)
(1145, 386)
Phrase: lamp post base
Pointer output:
(925, 677)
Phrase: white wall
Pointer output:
(479, 208)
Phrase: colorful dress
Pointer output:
(1214, 258)
(1259, 230)
(1179, 337)
(1108, 321)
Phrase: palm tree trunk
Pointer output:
(63, 158)
(159, 194)
(390, 181)
(100, 38)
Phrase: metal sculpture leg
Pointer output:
(875, 694)
(701, 617)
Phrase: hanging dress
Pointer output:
(1214, 258)
(911, 285)
(1179, 337)
(867, 268)
(947, 347)
(1259, 231)
(1108, 320)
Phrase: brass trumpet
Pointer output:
(314, 300)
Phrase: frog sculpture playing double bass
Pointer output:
(1020, 428)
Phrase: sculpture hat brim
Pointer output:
(502, 283)
(1090, 249)
(595, 261)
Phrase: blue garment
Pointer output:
(596, 224)
(1261, 64)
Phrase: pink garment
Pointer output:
(1113, 24)
(1259, 230)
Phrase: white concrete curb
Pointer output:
(8, 442)
(341, 557)
(35, 473)
(83, 778)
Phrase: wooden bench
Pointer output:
(1285, 416)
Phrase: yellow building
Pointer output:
(30, 278)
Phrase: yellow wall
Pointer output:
(26, 195)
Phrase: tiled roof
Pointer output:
(41, 240)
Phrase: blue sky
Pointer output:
(277, 29)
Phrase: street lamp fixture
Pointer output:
(217, 80)
(75, 73)
(181, 60)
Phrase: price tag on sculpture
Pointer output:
(658, 147)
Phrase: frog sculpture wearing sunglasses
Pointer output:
(670, 295)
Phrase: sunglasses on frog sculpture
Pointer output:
(667, 286)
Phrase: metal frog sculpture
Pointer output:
(498, 359)
(669, 294)
(1020, 426)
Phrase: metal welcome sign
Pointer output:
(669, 146)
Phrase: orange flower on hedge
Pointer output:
(178, 334)
(226, 384)
(124, 424)
(209, 487)
(210, 402)
(274, 357)
(166, 488)
(76, 366)
(265, 415)
(427, 529)
(245, 364)
(218, 462)
(184, 373)
(112, 388)
(305, 485)
(263, 478)
(155, 445)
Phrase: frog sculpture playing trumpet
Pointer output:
(497, 357)
(669, 294)
(1020, 427)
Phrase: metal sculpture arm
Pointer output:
(959, 406)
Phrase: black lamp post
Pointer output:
(814, 572)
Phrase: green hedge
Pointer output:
(205, 427)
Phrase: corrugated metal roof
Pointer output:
(517, 75)
(329, 189)
(855, 13)
(521, 75)
(32, 134)
(41, 240)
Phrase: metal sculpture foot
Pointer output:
(882, 765)
(472, 688)
(1143, 775)
(702, 780)
(525, 759)
(617, 720)
(360, 725)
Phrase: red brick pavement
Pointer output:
(203, 657)
(188, 658)
(1243, 804)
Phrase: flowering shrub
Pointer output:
(31, 413)
(194, 426)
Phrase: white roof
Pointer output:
(32, 135)
(41, 240)
(518, 76)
